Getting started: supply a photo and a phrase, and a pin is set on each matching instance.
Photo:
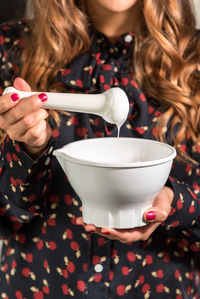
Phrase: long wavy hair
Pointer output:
(166, 59)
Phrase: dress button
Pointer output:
(128, 38)
(98, 268)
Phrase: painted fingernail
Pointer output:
(106, 233)
(14, 97)
(150, 215)
(91, 231)
(42, 97)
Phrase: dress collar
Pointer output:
(122, 48)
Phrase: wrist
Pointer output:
(34, 151)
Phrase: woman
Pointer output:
(151, 50)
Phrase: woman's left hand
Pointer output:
(153, 217)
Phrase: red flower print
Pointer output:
(8, 157)
(65, 289)
(85, 267)
(102, 79)
(52, 245)
(150, 109)
(1, 40)
(160, 288)
(101, 241)
(38, 295)
(79, 83)
(65, 273)
(46, 290)
(142, 97)
(26, 272)
(125, 270)
(179, 204)
(160, 273)
(141, 279)
(74, 245)
(55, 133)
(145, 288)
(124, 81)
(68, 199)
(140, 130)
(131, 256)
(75, 120)
(111, 275)
(121, 290)
(81, 132)
(106, 67)
(81, 285)
(2, 211)
(95, 259)
(18, 295)
(134, 83)
(40, 244)
(66, 72)
(97, 277)
(29, 257)
(71, 267)
(106, 87)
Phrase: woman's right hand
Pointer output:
(24, 120)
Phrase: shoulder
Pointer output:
(13, 33)
(12, 43)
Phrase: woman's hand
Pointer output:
(154, 217)
(24, 120)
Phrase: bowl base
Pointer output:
(113, 217)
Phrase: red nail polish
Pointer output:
(106, 233)
(14, 97)
(150, 215)
(91, 231)
(42, 97)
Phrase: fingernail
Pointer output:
(14, 97)
(106, 233)
(150, 215)
(42, 97)
(91, 231)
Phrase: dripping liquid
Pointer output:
(118, 130)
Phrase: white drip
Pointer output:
(118, 130)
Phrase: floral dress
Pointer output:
(45, 254)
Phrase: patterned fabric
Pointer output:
(45, 254)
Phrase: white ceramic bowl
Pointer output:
(116, 178)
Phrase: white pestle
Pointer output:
(112, 105)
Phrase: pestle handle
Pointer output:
(112, 105)
(66, 101)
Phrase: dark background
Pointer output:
(11, 9)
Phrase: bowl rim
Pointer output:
(60, 153)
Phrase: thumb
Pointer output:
(161, 206)
(21, 84)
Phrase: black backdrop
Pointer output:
(11, 9)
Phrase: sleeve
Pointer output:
(184, 217)
(23, 181)
(6, 72)
(12, 42)
(23, 185)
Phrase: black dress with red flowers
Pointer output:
(45, 254)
